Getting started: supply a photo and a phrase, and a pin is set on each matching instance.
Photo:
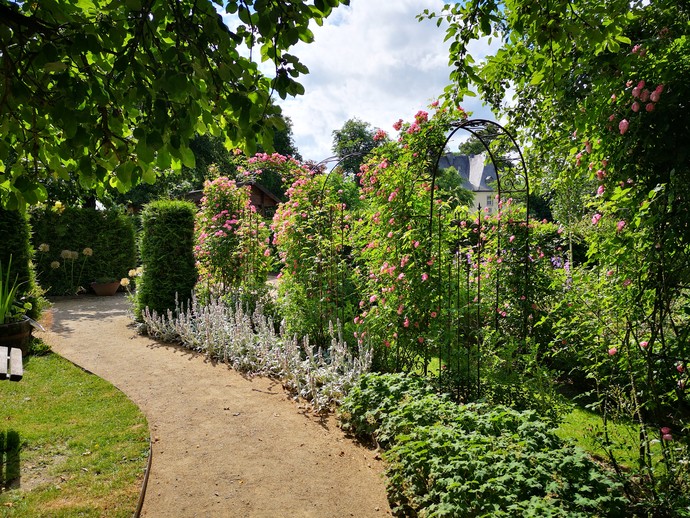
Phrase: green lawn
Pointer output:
(71, 444)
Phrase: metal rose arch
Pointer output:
(483, 262)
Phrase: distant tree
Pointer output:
(356, 138)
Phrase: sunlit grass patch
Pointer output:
(72, 444)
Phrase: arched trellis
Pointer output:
(331, 275)
(511, 181)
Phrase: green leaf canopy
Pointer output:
(110, 92)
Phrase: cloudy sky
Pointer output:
(374, 61)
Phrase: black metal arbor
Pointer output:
(478, 292)
(466, 289)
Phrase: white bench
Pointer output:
(11, 366)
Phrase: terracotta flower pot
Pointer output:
(16, 334)
(105, 288)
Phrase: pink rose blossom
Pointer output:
(601, 190)
(596, 218)
(620, 226)
(425, 276)
(612, 351)
(623, 126)
(654, 97)
(649, 107)
(601, 174)
(644, 344)
(644, 95)
(635, 107)
(398, 125)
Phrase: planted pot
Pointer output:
(16, 334)
(105, 288)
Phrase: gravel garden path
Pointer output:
(223, 445)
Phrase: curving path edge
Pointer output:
(223, 445)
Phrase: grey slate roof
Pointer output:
(475, 175)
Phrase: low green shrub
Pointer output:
(446, 459)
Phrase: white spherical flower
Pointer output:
(124, 281)
(55, 265)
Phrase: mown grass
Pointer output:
(586, 429)
(71, 443)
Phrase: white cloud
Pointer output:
(372, 60)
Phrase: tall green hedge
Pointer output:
(108, 233)
(15, 241)
(167, 255)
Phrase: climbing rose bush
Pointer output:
(232, 240)
(312, 234)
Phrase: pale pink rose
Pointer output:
(654, 97)
(612, 351)
(620, 225)
(595, 219)
(635, 107)
(644, 344)
(623, 126)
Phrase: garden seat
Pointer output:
(11, 366)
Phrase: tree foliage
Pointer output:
(600, 101)
(109, 93)
(352, 143)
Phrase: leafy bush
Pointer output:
(15, 238)
(312, 236)
(79, 245)
(474, 460)
(231, 242)
(167, 256)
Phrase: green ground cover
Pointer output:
(71, 444)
